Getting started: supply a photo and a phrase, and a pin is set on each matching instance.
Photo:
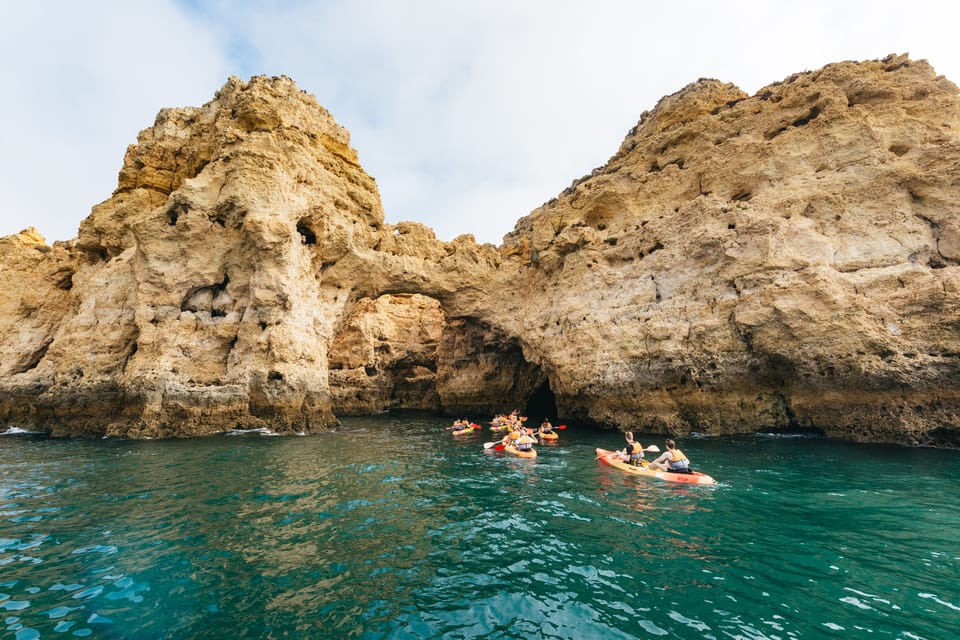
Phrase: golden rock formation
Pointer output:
(787, 260)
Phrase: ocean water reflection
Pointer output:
(389, 528)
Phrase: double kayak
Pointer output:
(612, 459)
(473, 428)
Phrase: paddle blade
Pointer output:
(499, 447)
(653, 449)
(488, 445)
(562, 426)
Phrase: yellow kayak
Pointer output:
(473, 428)
(612, 459)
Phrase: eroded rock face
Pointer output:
(201, 305)
(784, 260)
(402, 352)
(778, 261)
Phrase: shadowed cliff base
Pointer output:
(783, 261)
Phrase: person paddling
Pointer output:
(512, 437)
(546, 432)
(672, 460)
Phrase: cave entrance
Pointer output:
(542, 404)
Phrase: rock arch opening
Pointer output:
(542, 404)
(402, 351)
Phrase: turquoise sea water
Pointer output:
(391, 528)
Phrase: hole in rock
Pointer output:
(306, 233)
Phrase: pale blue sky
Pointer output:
(469, 114)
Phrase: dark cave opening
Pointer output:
(542, 404)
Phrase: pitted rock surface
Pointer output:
(787, 260)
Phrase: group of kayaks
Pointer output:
(517, 440)
(614, 459)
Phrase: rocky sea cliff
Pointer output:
(783, 261)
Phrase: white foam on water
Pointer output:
(262, 431)
(17, 431)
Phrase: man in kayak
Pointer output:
(672, 460)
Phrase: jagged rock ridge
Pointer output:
(779, 261)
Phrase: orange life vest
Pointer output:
(678, 460)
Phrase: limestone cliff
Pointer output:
(779, 261)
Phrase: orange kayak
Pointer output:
(612, 459)
(532, 453)
(551, 436)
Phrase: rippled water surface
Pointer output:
(391, 528)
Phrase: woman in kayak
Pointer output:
(525, 442)
(672, 460)
(633, 453)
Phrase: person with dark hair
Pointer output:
(672, 460)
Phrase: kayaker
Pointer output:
(545, 426)
(525, 442)
(512, 437)
(633, 452)
(672, 459)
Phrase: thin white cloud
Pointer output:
(469, 114)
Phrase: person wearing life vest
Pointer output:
(672, 460)
(633, 452)
(546, 431)
(525, 442)
(513, 437)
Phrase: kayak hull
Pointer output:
(532, 453)
(550, 437)
(612, 459)
(466, 432)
